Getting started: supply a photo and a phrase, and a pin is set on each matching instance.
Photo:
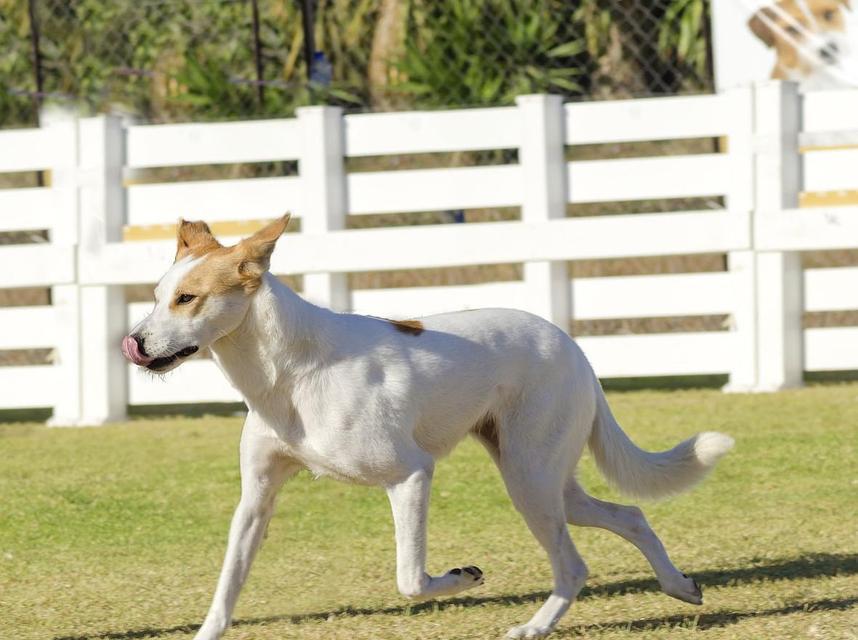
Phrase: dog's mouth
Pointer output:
(165, 361)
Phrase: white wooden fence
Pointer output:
(760, 173)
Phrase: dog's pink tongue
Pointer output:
(131, 350)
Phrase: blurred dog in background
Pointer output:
(809, 38)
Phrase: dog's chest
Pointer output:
(362, 454)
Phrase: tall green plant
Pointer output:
(682, 34)
(486, 52)
(16, 71)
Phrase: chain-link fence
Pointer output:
(169, 60)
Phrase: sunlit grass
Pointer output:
(118, 533)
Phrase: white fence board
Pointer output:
(827, 138)
(25, 150)
(830, 110)
(28, 327)
(410, 302)
(807, 229)
(648, 178)
(455, 245)
(686, 294)
(434, 189)
(40, 265)
(132, 262)
(831, 289)
(373, 134)
(831, 349)
(664, 354)
(26, 209)
(28, 387)
(830, 170)
(170, 145)
(195, 381)
(213, 200)
(647, 119)
(501, 242)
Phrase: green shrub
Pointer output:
(486, 52)
(194, 59)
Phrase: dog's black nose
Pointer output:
(139, 340)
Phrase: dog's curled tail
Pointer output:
(642, 474)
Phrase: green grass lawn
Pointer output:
(117, 533)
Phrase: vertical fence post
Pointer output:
(103, 314)
(323, 201)
(543, 169)
(65, 298)
(741, 265)
(778, 180)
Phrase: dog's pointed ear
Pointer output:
(194, 238)
(760, 24)
(255, 251)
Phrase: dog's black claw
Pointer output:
(474, 571)
(455, 571)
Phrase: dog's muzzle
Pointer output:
(132, 349)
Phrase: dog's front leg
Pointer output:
(263, 471)
(409, 501)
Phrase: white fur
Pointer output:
(354, 398)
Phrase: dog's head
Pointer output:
(203, 297)
(806, 34)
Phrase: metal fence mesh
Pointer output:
(173, 60)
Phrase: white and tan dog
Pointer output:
(809, 39)
(376, 402)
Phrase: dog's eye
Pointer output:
(828, 15)
(185, 298)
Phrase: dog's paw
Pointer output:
(467, 577)
(528, 631)
(685, 589)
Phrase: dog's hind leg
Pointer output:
(409, 501)
(630, 523)
(536, 490)
(263, 471)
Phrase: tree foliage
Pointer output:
(189, 59)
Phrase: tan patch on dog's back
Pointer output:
(413, 327)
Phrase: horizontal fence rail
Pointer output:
(214, 200)
(174, 145)
(378, 134)
(394, 248)
(102, 220)
(653, 119)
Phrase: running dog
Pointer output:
(377, 402)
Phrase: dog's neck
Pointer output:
(282, 338)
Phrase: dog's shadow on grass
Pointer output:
(810, 566)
